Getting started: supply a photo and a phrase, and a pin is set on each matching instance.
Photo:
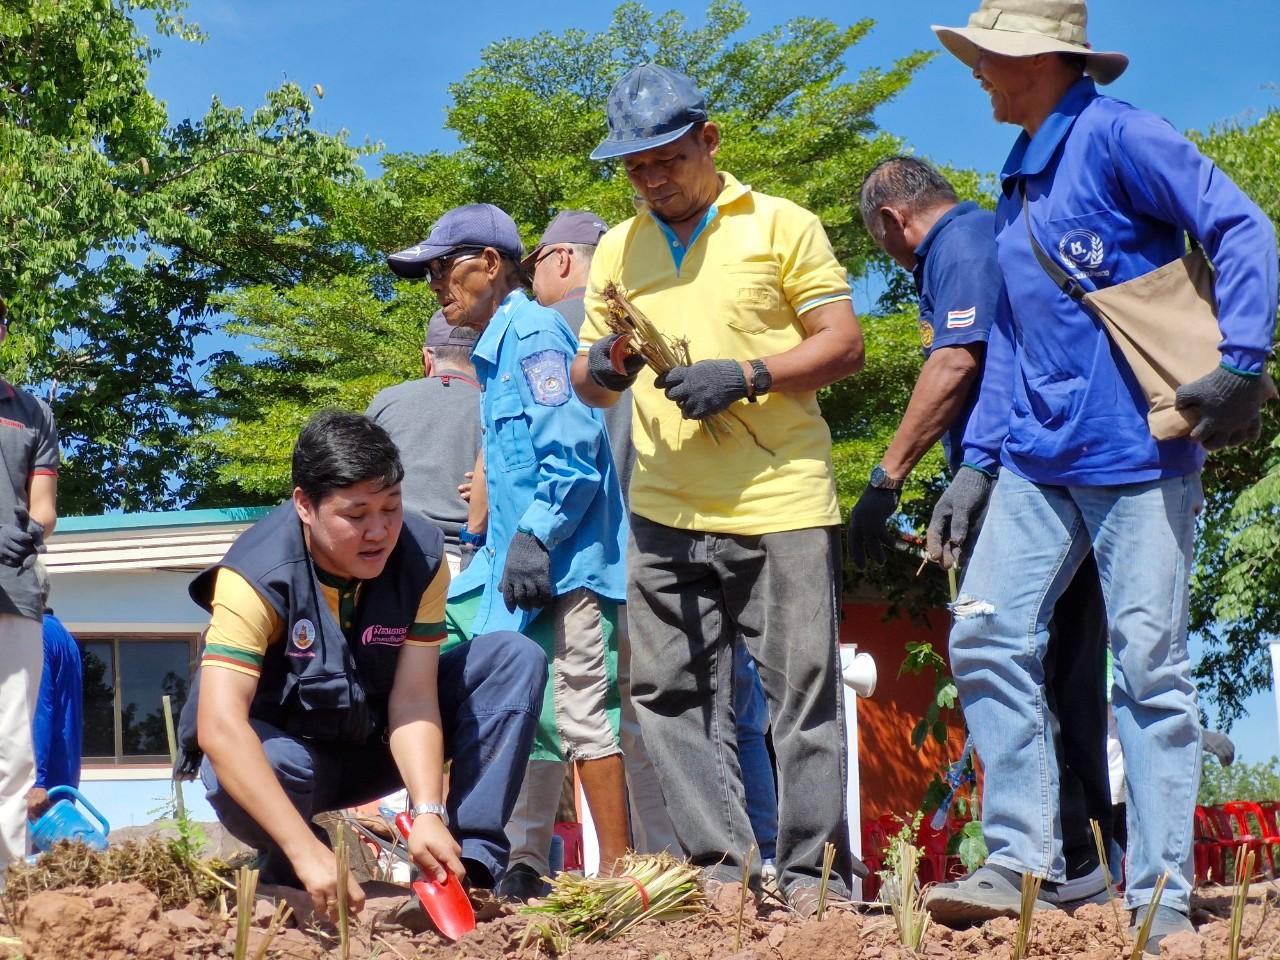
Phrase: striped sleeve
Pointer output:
(428, 628)
(243, 625)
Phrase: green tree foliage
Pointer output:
(1240, 781)
(527, 118)
(117, 228)
(1235, 599)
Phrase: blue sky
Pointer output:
(385, 67)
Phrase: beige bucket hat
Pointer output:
(1024, 28)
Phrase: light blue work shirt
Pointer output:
(1112, 189)
(547, 464)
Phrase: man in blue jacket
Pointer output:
(1109, 190)
(552, 563)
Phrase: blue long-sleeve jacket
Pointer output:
(547, 463)
(1112, 189)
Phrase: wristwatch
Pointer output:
(761, 380)
(881, 480)
(418, 809)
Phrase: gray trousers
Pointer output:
(689, 594)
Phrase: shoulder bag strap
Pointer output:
(1061, 279)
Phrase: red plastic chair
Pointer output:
(1252, 832)
(874, 844)
(1271, 813)
(1211, 846)
(933, 867)
(571, 835)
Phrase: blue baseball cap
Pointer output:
(649, 107)
(471, 227)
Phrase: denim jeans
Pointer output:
(690, 594)
(752, 715)
(490, 689)
(1032, 541)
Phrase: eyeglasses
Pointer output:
(437, 270)
(550, 251)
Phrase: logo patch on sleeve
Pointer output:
(926, 334)
(958, 319)
(547, 373)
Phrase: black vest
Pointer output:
(314, 683)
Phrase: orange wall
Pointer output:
(892, 773)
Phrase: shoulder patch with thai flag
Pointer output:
(957, 319)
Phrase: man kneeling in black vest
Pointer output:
(321, 685)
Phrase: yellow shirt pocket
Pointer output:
(751, 297)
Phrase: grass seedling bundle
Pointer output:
(644, 887)
(663, 354)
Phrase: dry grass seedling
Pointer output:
(344, 905)
(902, 859)
(278, 920)
(1026, 910)
(828, 859)
(1144, 931)
(662, 354)
(246, 891)
(162, 866)
(1244, 872)
(1106, 872)
(742, 895)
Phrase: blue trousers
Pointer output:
(1032, 542)
(751, 712)
(490, 692)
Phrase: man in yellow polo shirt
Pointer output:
(736, 534)
(321, 685)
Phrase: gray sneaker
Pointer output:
(989, 892)
(1167, 921)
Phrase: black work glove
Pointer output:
(867, 536)
(600, 366)
(1229, 404)
(956, 514)
(20, 540)
(526, 579)
(704, 388)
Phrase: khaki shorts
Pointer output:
(581, 708)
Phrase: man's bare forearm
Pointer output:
(832, 350)
(938, 398)
(588, 391)
(243, 770)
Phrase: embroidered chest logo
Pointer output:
(385, 636)
(547, 374)
(1082, 249)
(301, 638)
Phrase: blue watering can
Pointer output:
(64, 822)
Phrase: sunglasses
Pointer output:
(438, 269)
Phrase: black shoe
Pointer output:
(520, 884)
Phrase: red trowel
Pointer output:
(446, 903)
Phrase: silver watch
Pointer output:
(418, 809)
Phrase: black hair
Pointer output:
(902, 182)
(337, 449)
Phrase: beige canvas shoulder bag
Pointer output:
(1165, 323)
